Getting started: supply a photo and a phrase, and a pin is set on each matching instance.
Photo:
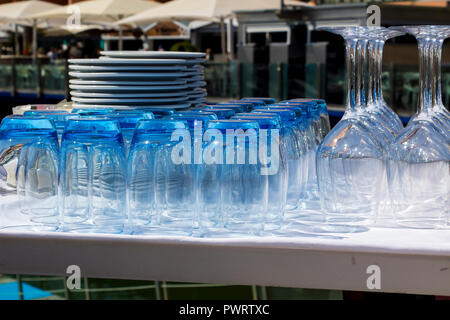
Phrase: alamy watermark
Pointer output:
(74, 19)
(373, 16)
(374, 280)
(73, 281)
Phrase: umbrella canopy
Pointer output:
(21, 12)
(210, 10)
(100, 10)
(95, 11)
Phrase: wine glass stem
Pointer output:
(360, 73)
(372, 52)
(375, 49)
(350, 45)
(379, 70)
(436, 67)
(425, 74)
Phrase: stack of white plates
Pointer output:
(138, 79)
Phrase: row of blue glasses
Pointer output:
(106, 171)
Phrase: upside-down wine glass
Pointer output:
(350, 161)
(418, 165)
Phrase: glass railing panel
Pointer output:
(53, 78)
(27, 79)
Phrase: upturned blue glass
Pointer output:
(296, 154)
(128, 123)
(29, 165)
(161, 195)
(277, 166)
(232, 188)
(93, 176)
(263, 99)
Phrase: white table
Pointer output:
(410, 261)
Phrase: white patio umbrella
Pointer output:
(22, 13)
(98, 11)
(209, 10)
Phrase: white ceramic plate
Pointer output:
(139, 61)
(116, 88)
(197, 84)
(121, 101)
(122, 107)
(197, 96)
(196, 67)
(127, 68)
(117, 61)
(82, 94)
(194, 73)
(196, 78)
(129, 83)
(154, 54)
(126, 75)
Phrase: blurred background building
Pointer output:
(268, 50)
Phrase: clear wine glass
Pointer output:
(350, 160)
(418, 167)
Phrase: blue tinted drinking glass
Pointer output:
(307, 126)
(323, 111)
(232, 188)
(306, 140)
(313, 132)
(37, 182)
(15, 133)
(235, 108)
(207, 115)
(154, 179)
(254, 103)
(127, 123)
(92, 111)
(309, 197)
(133, 111)
(93, 176)
(59, 118)
(312, 117)
(296, 155)
(265, 100)
(43, 112)
(246, 106)
(264, 113)
(28, 165)
(273, 150)
(159, 112)
(222, 114)
(197, 124)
